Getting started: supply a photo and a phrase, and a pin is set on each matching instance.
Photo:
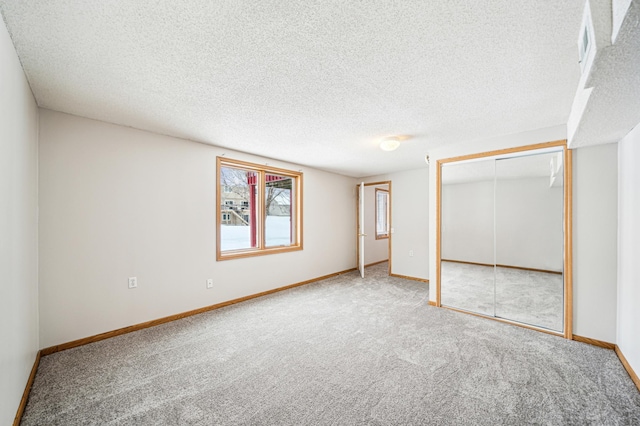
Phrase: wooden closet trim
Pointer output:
(568, 228)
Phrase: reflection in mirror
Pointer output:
(529, 239)
(467, 256)
(502, 236)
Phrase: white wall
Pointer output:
(595, 220)
(374, 250)
(409, 220)
(18, 229)
(629, 248)
(117, 202)
(528, 220)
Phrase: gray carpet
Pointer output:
(529, 297)
(342, 351)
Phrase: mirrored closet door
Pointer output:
(502, 236)
(467, 256)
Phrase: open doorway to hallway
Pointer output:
(374, 227)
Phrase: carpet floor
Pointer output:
(343, 351)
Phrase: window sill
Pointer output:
(239, 254)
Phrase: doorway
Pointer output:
(374, 229)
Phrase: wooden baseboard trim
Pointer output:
(27, 390)
(96, 338)
(432, 303)
(503, 266)
(625, 364)
(406, 277)
(376, 263)
(594, 342)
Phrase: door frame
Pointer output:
(385, 182)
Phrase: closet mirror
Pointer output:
(502, 236)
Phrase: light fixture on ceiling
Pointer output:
(389, 144)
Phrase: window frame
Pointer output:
(385, 235)
(261, 171)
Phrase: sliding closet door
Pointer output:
(467, 233)
(529, 240)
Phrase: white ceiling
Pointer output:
(312, 82)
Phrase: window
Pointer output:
(584, 42)
(382, 214)
(271, 219)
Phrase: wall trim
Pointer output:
(432, 303)
(113, 333)
(594, 342)
(627, 366)
(407, 277)
(27, 390)
(375, 263)
(503, 266)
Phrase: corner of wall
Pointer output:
(19, 229)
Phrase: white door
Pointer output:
(361, 233)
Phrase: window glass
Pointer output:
(279, 215)
(237, 231)
(382, 213)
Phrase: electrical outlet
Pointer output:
(209, 283)
(410, 253)
(133, 282)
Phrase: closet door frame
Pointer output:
(567, 225)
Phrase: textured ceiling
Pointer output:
(613, 105)
(312, 82)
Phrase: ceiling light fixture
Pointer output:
(390, 143)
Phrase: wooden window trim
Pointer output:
(261, 170)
